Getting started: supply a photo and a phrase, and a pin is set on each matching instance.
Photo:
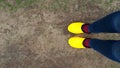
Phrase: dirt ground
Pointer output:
(36, 36)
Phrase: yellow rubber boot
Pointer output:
(76, 42)
(76, 27)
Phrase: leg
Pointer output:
(110, 23)
(116, 50)
(105, 47)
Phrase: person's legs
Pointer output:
(110, 23)
(105, 47)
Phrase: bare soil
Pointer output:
(37, 38)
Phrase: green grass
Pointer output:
(54, 5)
(58, 5)
(15, 4)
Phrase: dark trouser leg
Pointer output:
(110, 23)
(106, 48)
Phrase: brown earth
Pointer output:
(33, 37)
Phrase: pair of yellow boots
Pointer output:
(78, 28)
